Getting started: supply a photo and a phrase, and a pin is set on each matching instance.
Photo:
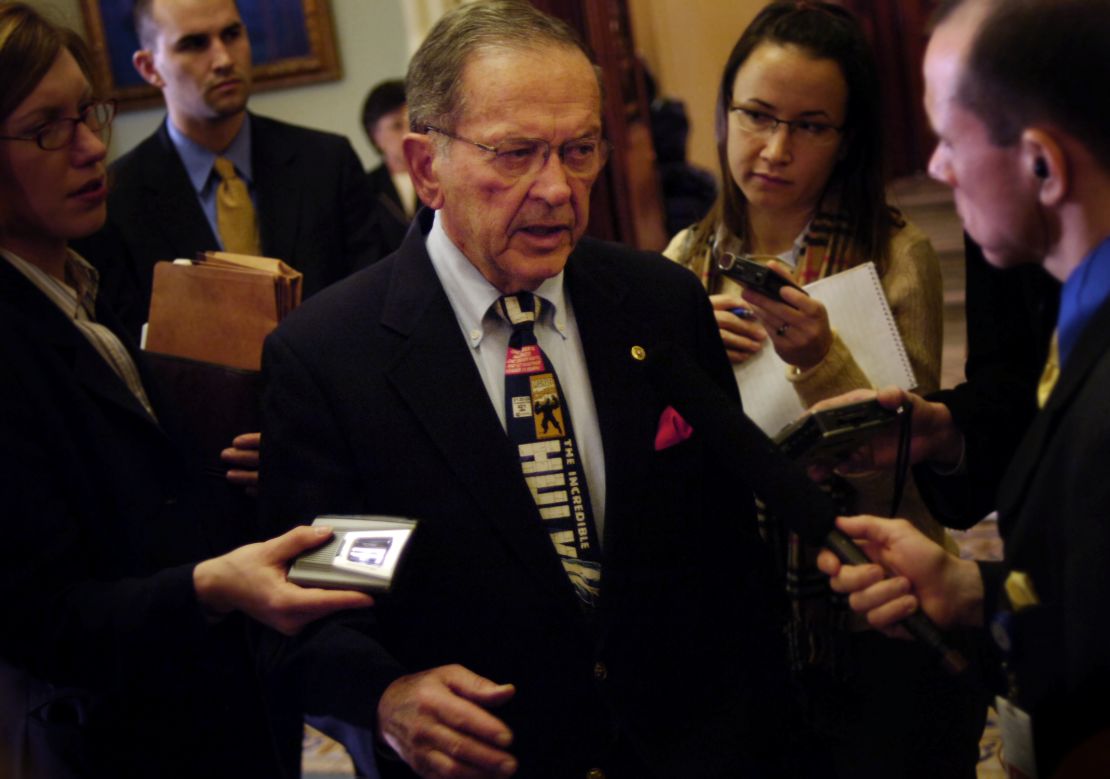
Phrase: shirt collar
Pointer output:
(1086, 289)
(471, 295)
(198, 160)
(76, 296)
(724, 241)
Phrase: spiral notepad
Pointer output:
(860, 314)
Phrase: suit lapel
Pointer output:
(627, 408)
(438, 380)
(1091, 347)
(52, 326)
(277, 189)
(386, 194)
(171, 200)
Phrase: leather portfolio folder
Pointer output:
(219, 308)
(211, 404)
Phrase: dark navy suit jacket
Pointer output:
(315, 212)
(1054, 517)
(107, 665)
(374, 405)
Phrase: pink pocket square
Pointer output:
(673, 429)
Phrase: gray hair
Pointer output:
(434, 79)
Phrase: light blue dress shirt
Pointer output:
(199, 165)
(472, 297)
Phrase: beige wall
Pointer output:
(372, 47)
(686, 42)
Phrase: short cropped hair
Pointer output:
(29, 45)
(385, 98)
(434, 79)
(1041, 62)
(142, 19)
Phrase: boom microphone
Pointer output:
(782, 484)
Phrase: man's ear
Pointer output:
(143, 60)
(1043, 160)
(420, 154)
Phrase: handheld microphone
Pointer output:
(783, 485)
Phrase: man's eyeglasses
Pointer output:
(765, 125)
(58, 133)
(518, 157)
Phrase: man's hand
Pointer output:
(437, 722)
(242, 456)
(252, 579)
(949, 590)
(742, 336)
(934, 436)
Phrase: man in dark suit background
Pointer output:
(308, 189)
(1027, 153)
(1011, 315)
(385, 395)
(385, 118)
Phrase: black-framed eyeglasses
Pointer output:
(517, 157)
(58, 133)
(765, 125)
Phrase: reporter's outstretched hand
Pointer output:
(949, 590)
(934, 436)
(251, 579)
(436, 720)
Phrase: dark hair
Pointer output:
(29, 45)
(1034, 62)
(143, 22)
(385, 98)
(823, 31)
(142, 19)
(433, 84)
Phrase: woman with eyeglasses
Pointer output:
(799, 143)
(119, 652)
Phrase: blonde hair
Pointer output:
(29, 45)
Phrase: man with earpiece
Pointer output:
(1026, 149)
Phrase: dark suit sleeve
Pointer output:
(1011, 315)
(306, 463)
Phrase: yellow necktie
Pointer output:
(235, 215)
(1050, 373)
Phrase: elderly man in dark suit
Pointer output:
(1027, 153)
(581, 599)
(311, 205)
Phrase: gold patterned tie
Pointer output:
(235, 215)
(1050, 373)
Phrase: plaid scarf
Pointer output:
(819, 623)
(825, 249)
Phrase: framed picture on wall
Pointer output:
(292, 42)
